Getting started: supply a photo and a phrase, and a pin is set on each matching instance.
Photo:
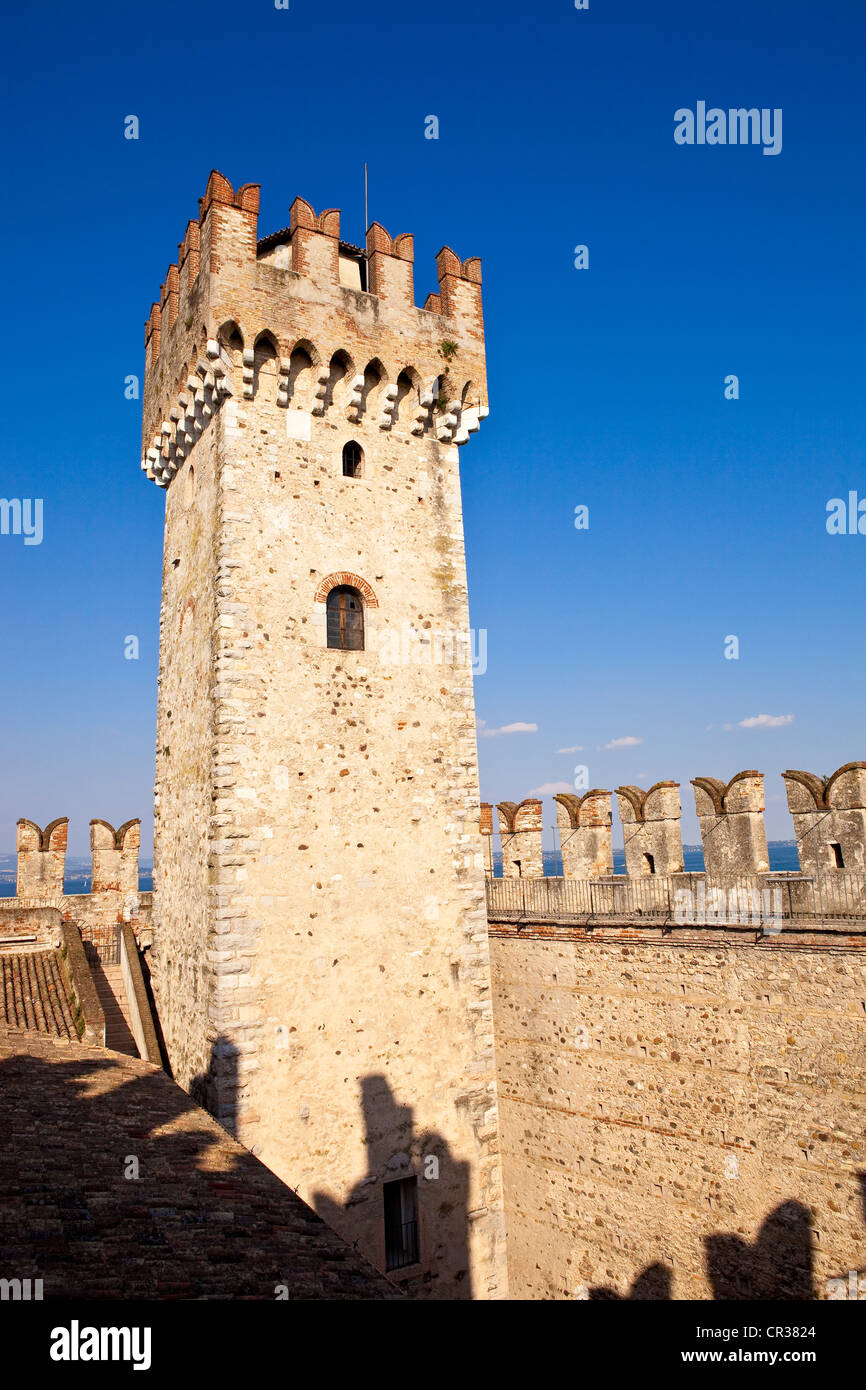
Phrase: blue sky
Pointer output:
(707, 515)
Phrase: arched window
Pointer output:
(353, 459)
(345, 609)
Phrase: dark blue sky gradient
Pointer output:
(707, 516)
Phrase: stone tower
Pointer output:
(320, 959)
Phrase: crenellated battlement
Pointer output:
(41, 858)
(114, 895)
(114, 856)
(829, 817)
(520, 831)
(234, 317)
(731, 817)
(829, 823)
(651, 828)
(584, 824)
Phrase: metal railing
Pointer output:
(744, 899)
(402, 1246)
(101, 943)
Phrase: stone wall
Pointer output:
(680, 1120)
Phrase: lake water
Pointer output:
(77, 885)
(782, 857)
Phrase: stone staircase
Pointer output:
(112, 996)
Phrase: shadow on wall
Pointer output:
(216, 1090)
(779, 1264)
(395, 1152)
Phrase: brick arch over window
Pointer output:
(351, 581)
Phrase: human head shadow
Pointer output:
(779, 1264)
(394, 1150)
(653, 1284)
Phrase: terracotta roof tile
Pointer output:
(33, 994)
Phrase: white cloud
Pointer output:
(628, 742)
(766, 721)
(578, 748)
(506, 729)
(551, 788)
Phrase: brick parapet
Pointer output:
(266, 298)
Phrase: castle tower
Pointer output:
(320, 959)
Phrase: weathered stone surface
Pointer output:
(679, 1120)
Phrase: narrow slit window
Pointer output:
(838, 857)
(649, 864)
(401, 1223)
(345, 610)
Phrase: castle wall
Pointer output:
(320, 954)
(679, 1120)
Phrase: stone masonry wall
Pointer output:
(680, 1120)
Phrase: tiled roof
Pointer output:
(267, 243)
(33, 994)
(203, 1219)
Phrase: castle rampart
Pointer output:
(681, 1069)
(41, 905)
